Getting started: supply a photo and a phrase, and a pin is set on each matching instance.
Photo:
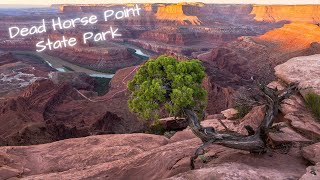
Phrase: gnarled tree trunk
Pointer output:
(255, 141)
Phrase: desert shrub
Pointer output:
(101, 85)
(167, 84)
(243, 110)
(313, 102)
(243, 102)
(156, 128)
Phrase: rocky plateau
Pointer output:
(57, 125)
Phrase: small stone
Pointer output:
(230, 113)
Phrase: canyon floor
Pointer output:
(64, 113)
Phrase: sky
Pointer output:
(48, 2)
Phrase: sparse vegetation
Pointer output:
(101, 85)
(156, 128)
(243, 110)
(243, 102)
(313, 102)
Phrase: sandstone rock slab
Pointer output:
(304, 70)
(77, 153)
(313, 173)
(286, 134)
(188, 134)
(300, 118)
(312, 153)
(157, 163)
(235, 171)
(253, 119)
(172, 123)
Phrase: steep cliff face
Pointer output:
(66, 8)
(44, 107)
(293, 36)
(294, 13)
(221, 86)
(172, 14)
(254, 57)
(17, 73)
(170, 35)
(47, 112)
(176, 13)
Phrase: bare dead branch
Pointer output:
(225, 127)
(255, 141)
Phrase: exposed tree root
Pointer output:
(255, 141)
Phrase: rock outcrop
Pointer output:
(293, 13)
(16, 73)
(77, 80)
(237, 44)
(312, 153)
(47, 112)
(176, 13)
(238, 171)
(143, 157)
(147, 156)
(290, 38)
(249, 55)
(79, 153)
(303, 70)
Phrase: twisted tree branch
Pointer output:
(255, 141)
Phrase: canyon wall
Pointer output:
(255, 57)
(176, 13)
(292, 37)
(198, 13)
(294, 13)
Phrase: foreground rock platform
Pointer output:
(143, 156)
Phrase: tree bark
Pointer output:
(255, 141)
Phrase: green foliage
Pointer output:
(101, 85)
(156, 128)
(165, 83)
(243, 110)
(313, 102)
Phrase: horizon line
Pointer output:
(46, 5)
(93, 2)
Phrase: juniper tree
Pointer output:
(166, 82)
(176, 87)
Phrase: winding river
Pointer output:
(139, 52)
(62, 65)
(65, 66)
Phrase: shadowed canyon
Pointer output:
(64, 112)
